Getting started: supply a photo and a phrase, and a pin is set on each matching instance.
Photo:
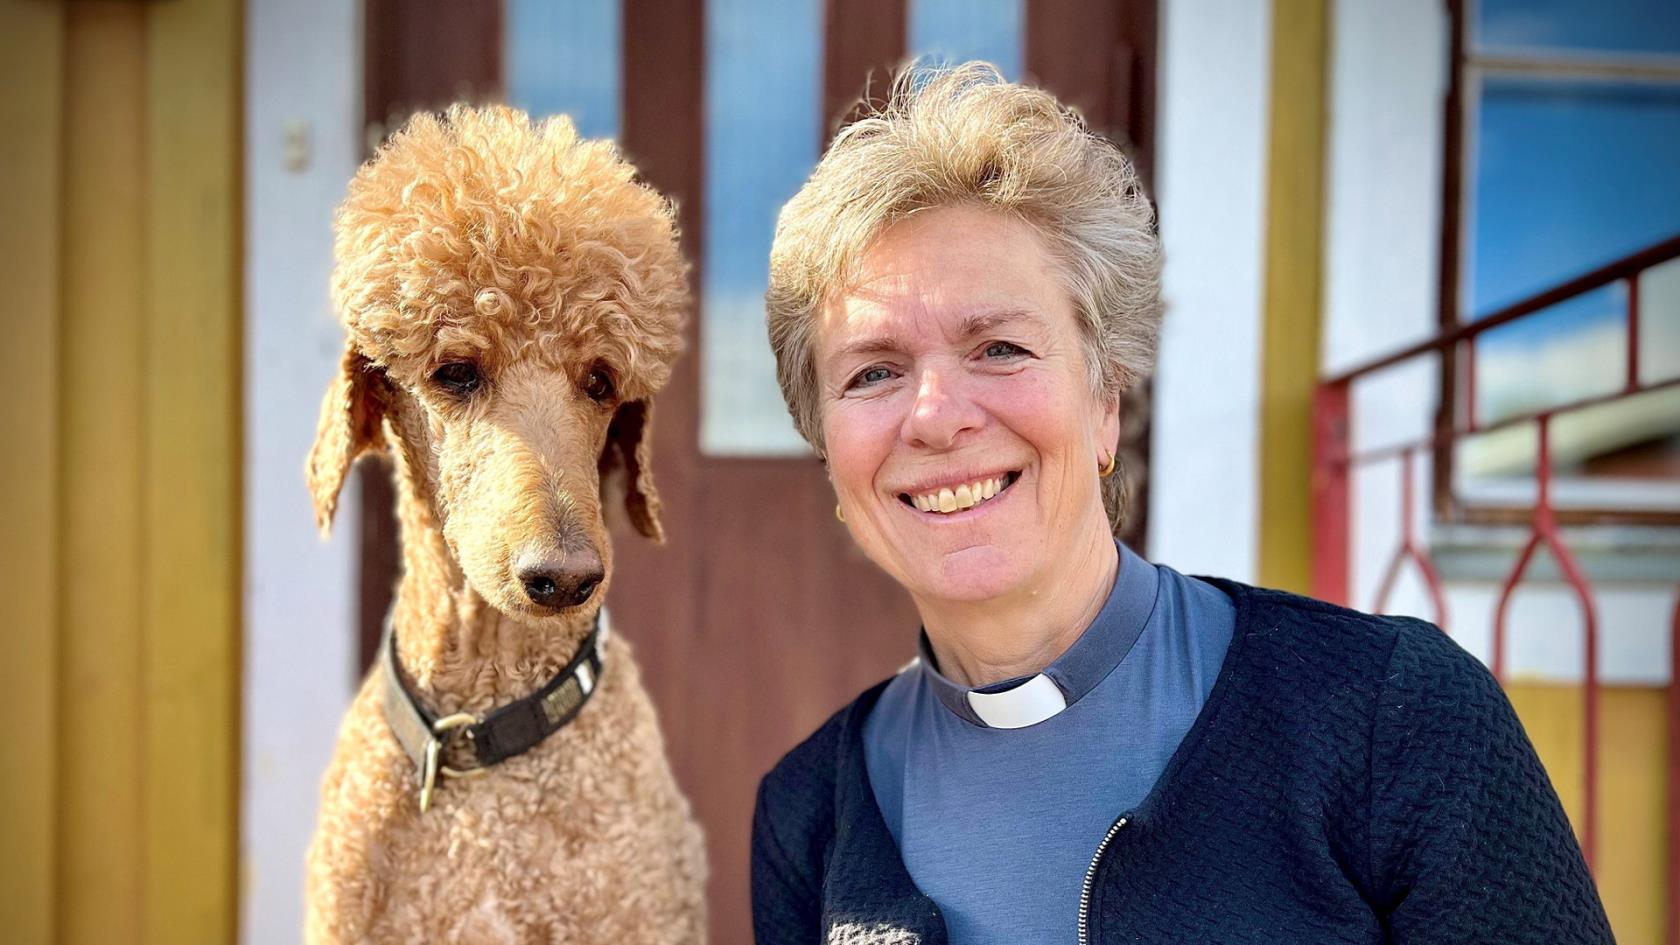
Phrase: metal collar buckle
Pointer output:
(443, 731)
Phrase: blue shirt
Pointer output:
(998, 826)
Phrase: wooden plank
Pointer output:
(865, 40)
(99, 699)
(1293, 282)
(31, 97)
(191, 490)
(427, 55)
(655, 594)
(1102, 60)
(791, 607)
(415, 56)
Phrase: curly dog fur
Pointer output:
(534, 257)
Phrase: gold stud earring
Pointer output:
(1108, 470)
(839, 515)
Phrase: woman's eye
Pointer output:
(599, 385)
(1003, 349)
(874, 375)
(460, 378)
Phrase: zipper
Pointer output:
(1091, 879)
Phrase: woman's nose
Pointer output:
(940, 413)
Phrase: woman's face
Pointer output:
(963, 436)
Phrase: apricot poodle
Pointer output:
(513, 299)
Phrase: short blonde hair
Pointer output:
(965, 137)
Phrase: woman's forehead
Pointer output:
(944, 308)
(946, 238)
(872, 326)
(945, 276)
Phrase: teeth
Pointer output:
(965, 496)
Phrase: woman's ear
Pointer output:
(349, 426)
(1108, 435)
(630, 446)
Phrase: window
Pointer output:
(1569, 122)
(764, 133)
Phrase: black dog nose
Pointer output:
(559, 581)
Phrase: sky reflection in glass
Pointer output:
(563, 58)
(763, 130)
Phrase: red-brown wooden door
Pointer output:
(759, 617)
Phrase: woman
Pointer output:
(1091, 747)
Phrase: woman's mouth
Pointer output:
(948, 499)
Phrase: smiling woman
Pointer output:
(1089, 746)
(954, 363)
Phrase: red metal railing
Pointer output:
(1410, 550)
(1335, 461)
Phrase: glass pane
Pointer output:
(1562, 354)
(1621, 455)
(1659, 323)
(1590, 26)
(763, 129)
(563, 57)
(1568, 176)
(955, 31)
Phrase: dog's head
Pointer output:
(513, 299)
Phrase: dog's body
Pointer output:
(513, 300)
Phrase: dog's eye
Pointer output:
(458, 377)
(598, 385)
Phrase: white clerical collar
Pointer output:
(1029, 700)
(1027, 704)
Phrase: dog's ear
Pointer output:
(630, 445)
(350, 426)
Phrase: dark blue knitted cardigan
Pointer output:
(1350, 779)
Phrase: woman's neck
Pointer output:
(982, 642)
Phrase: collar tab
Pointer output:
(1030, 703)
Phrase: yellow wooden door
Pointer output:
(120, 470)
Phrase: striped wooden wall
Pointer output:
(119, 482)
(31, 59)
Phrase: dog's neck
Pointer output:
(459, 653)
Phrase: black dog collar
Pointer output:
(504, 732)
